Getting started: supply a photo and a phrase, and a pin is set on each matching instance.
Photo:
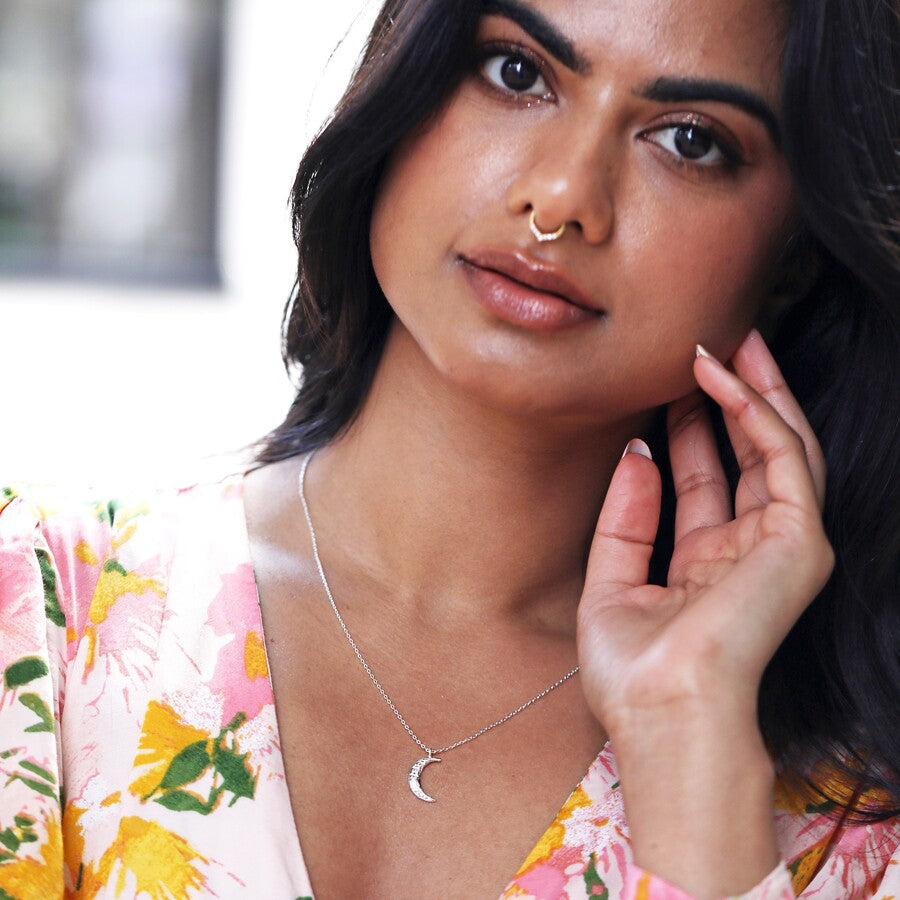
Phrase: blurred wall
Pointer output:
(116, 385)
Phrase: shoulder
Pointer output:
(50, 551)
(65, 553)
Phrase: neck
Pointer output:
(459, 509)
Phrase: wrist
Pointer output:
(698, 794)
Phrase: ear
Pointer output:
(793, 275)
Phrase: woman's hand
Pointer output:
(673, 672)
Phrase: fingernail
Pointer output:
(636, 445)
(702, 351)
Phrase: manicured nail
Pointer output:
(702, 351)
(636, 445)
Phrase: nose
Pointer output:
(566, 179)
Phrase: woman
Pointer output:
(526, 237)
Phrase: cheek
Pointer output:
(436, 182)
(710, 272)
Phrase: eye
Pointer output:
(693, 143)
(514, 71)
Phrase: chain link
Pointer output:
(431, 751)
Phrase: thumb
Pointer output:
(623, 540)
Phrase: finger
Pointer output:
(751, 488)
(787, 475)
(754, 363)
(702, 491)
(626, 528)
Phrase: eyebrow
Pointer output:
(662, 90)
(542, 30)
(676, 90)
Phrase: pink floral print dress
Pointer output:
(139, 749)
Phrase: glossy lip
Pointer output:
(526, 291)
(534, 273)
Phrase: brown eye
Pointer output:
(518, 74)
(515, 72)
(692, 142)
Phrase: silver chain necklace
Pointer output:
(417, 767)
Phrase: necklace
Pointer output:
(416, 770)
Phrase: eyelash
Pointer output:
(500, 50)
(731, 158)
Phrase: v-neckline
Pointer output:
(603, 760)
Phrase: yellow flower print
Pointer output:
(161, 862)
(164, 736)
(36, 879)
(80, 876)
(115, 582)
(84, 552)
(828, 787)
(119, 539)
(184, 757)
(553, 837)
(804, 867)
(255, 663)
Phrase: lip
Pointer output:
(525, 291)
(535, 273)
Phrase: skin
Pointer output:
(456, 514)
(673, 255)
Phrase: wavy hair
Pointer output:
(832, 692)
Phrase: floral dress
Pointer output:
(139, 749)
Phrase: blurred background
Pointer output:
(147, 149)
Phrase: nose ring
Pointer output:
(542, 236)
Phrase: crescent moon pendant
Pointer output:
(415, 773)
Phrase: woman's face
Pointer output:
(648, 127)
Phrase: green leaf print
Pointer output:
(231, 772)
(13, 838)
(37, 770)
(23, 671)
(9, 840)
(186, 766)
(106, 512)
(51, 597)
(38, 786)
(826, 806)
(594, 885)
(40, 708)
(237, 720)
(237, 777)
(184, 801)
(113, 565)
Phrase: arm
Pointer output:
(30, 815)
(673, 672)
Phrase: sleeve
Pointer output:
(50, 558)
(641, 885)
(32, 644)
(864, 862)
